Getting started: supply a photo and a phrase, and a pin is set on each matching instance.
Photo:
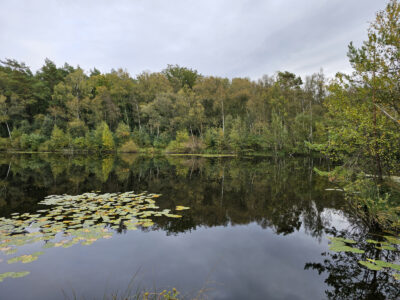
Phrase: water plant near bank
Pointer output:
(80, 219)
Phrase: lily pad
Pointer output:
(386, 248)
(370, 265)
(180, 207)
(13, 275)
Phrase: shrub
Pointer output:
(58, 139)
(44, 147)
(179, 144)
(129, 147)
(161, 141)
(77, 128)
(141, 137)
(31, 141)
(215, 140)
(107, 139)
(122, 133)
(185, 144)
(79, 143)
(4, 143)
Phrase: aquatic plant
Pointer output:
(83, 219)
(340, 244)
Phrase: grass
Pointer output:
(135, 292)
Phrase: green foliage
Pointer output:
(372, 204)
(353, 117)
(362, 118)
(215, 140)
(107, 139)
(368, 199)
(58, 139)
(73, 218)
(340, 245)
(180, 144)
(31, 141)
(77, 128)
(220, 115)
(129, 147)
(141, 137)
(13, 275)
(79, 143)
(122, 133)
(370, 266)
(180, 76)
(4, 143)
(161, 141)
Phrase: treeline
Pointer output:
(66, 108)
(351, 116)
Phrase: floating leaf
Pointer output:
(372, 241)
(338, 244)
(385, 248)
(394, 266)
(180, 207)
(80, 218)
(393, 240)
(340, 239)
(370, 265)
(13, 275)
(345, 249)
(24, 259)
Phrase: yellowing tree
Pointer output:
(107, 139)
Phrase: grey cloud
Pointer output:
(225, 38)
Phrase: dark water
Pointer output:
(256, 229)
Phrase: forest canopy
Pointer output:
(179, 110)
(67, 108)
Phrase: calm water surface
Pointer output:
(256, 229)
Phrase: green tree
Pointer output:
(107, 138)
(362, 106)
(122, 133)
(180, 77)
(58, 139)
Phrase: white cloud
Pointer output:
(219, 37)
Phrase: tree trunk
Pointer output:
(8, 129)
(223, 117)
(138, 113)
(376, 145)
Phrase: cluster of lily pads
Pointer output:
(339, 244)
(70, 220)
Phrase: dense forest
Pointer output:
(61, 108)
(178, 110)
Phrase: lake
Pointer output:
(255, 228)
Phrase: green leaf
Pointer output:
(386, 248)
(180, 207)
(369, 265)
(340, 248)
(13, 275)
(392, 240)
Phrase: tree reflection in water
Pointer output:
(281, 194)
(350, 280)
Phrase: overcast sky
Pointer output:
(232, 38)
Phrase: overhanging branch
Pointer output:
(388, 115)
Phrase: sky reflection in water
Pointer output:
(252, 226)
